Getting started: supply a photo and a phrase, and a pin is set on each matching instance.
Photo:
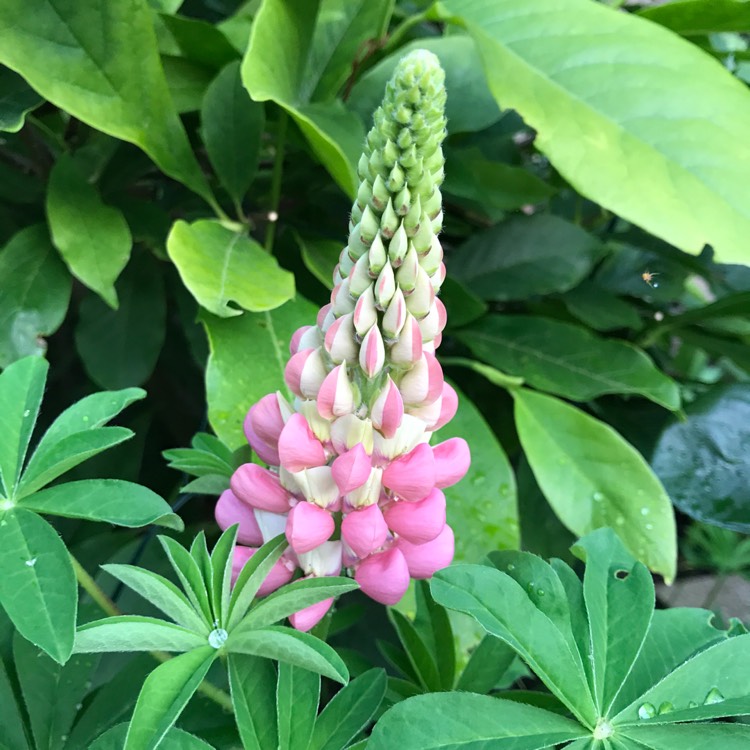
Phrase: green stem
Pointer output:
(394, 40)
(278, 172)
(91, 587)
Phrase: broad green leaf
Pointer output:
(135, 633)
(698, 17)
(292, 647)
(724, 736)
(12, 733)
(165, 693)
(187, 82)
(704, 461)
(349, 712)
(174, 739)
(504, 609)
(567, 359)
(232, 125)
(600, 309)
(110, 500)
(597, 145)
(712, 684)
(434, 626)
(294, 597)
(93, 238)
(495, 376)
(470, 105)
(68, 453)
(248, 356)
(210, 484)
(189, 573)
(36, 290)
(109, 77)
(52, 693)
(251, 577)
(731, 305)
(488, 663)
(119, 348)
(423, 664)
(111, 703)
(297, 694)
(161, 592)
(81, 419)
(198, 40)
(525, 256)
(451, 721)
(253, 684)
(619, 596)
(225, 270)
(592, 478)
(38, 585)
(21, 390)
(482, 507)
(17, 99)
(221, 569)
(320, 256)
(674, 636)
(300, 53)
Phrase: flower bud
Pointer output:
(322, 315)
(380, 194)
(231, 510)
(356, 247)
(384, 576)
(389, 222)
(318, 487)
(402, 201)
(429, 413)
(424, 560)
(418, 303)
(372, 352)
(395, 317)
(365, 314)
(437, 223)
(418, 522)
(377, 258)
(320, 426)
(259, 488)
(349, 430)
(294, 346)
(438, 278)
(396, 179)
(398, 247)
(423, 384)
(308, 617)
(413, 216)
(406, 276)
(363, 168)
(364, 194)
(433, 204)
(336, 395)
(364, 530)
(385, 287)
(305, 373)
(452, 460)
(351, 469)
(408, 349)
(308, 526)
(359, 277)
(448, 406)
(422, 238)
(369, 226)
(368, 493)
(342, 302)
(387, 410)
(340, 342)
(298, 447)
(262, 427)
(430, 324)
(411, 476)
(433, 258)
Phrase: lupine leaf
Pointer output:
(421, 660)
(12, 733)
(487, 664)
(135, 633)
(16, 101)
(692, 737)
(297, 694)
(174, 739)
(434, 625)
(253, 684)
(189, 573)
(221, 567)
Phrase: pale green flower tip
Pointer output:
(419, 67)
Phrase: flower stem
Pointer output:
(90, 586)
(278, 171)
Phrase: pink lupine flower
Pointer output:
(353, 481)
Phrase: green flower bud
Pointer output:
(413, 215)
(389, 222)
(378, 256)
(398, 247)
(431, 261)
(364, 194)
(433, 204)
(406, 276)
(396, 179)
(404, 139)
(390, 153)
(422, 239)
(437, 223)
(409, 159)
(379, 194)
(369, 226)
(403, 115)
(363, 167)
(360, 279)
(356, 247)
(402, 201)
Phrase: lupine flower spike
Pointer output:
(352, 478)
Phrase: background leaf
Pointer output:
(598, 143)
(93, 238)
(697, 17)
(35, 292)
(174, 739)
(17, 99)
(297, 696)
(592, 478)
(220, 266)
(253, 682)
(248, 355)
(110, 77)
(38, 585)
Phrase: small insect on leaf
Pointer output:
(648, 277)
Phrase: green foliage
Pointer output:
(600, 649)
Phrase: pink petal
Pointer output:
(309, 617)
(384, 576)
(418, 522)
(259, 488)
(336, 396)
(231, 510)
(388, 409)
(424, 560)
(411, 476)
(322, 314)
(263, 425)
(298, 447)
(305, 373)
(372, 352)
(423, 384)
(408, 349)
(364, 530)
(340, 342)
(448, 406)
(308, 526)
(351, 469)
(452, 461)
(280, 573)
(296, 336)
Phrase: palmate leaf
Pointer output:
(135, 633)
(221, 573)
(253, 684)
(297, 696)
(189, 574)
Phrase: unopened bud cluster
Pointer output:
(352, 480)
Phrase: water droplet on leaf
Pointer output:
(646, 711)
(31, 563)
(217, 638)
(666, 707)
(714, 696)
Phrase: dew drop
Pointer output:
(511, 567)
(540, 592)
(620, 520)
(645, 511)
(665, 708)
(649, 526)
(27, 412)
(692, 704)
(217, 638)
(79, 706)
(714, 696)
(646, 711)
(598, 497)
(531, 587)
(31, 563)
